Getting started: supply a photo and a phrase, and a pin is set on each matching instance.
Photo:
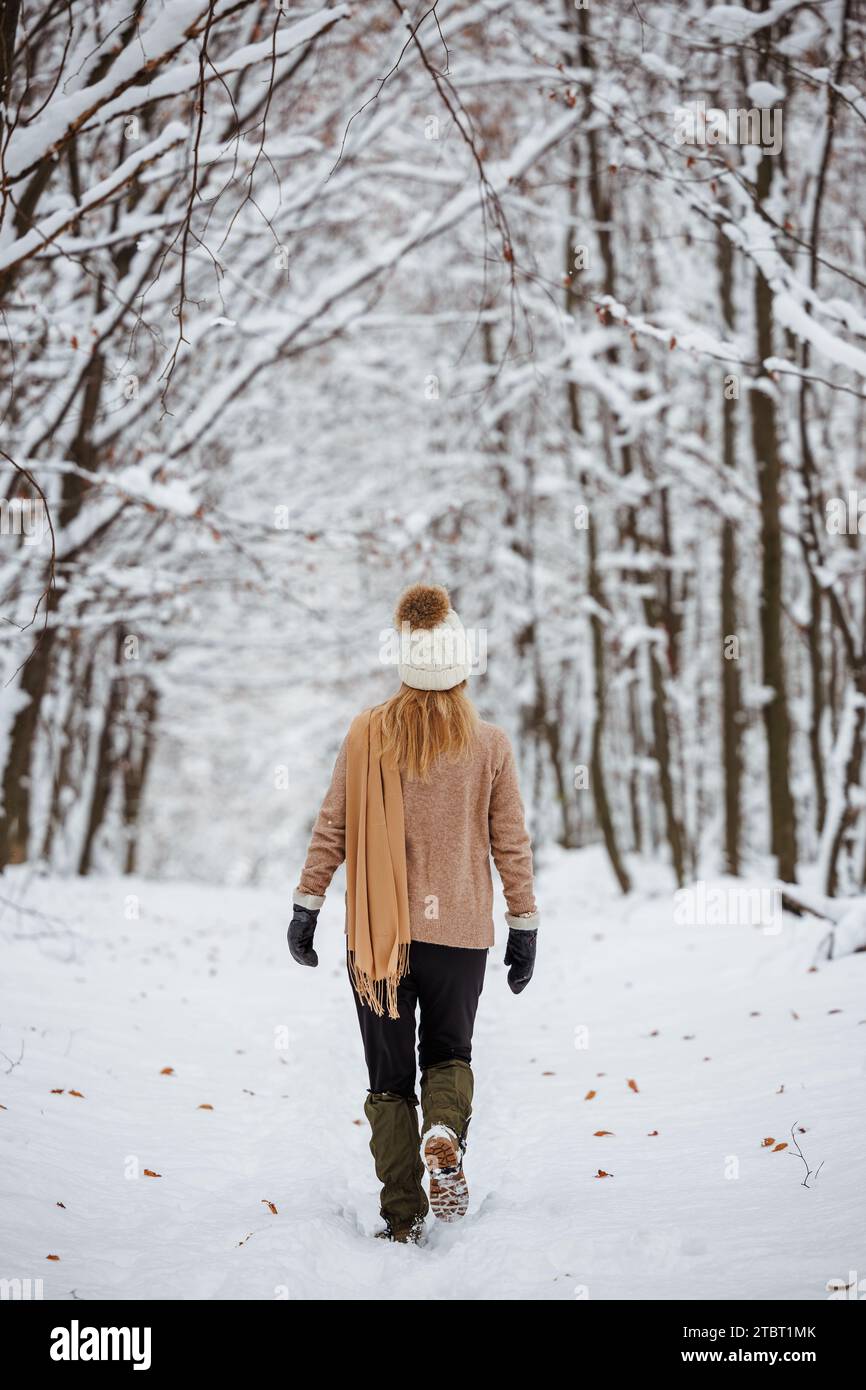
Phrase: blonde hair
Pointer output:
(418, 726)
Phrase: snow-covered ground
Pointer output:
(727, 1035)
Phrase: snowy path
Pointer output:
(702, 1020)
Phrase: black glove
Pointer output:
(301, 932)
(520, 955)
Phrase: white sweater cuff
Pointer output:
(308, 900)
(529, 923)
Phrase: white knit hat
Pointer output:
(434, 650)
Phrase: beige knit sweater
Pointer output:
(465, 812)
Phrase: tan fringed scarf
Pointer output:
(377, 898)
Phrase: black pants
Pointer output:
(446, 982)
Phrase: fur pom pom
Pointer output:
(422, 605)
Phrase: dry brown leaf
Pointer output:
(767, 1143)
(590, 1095)
(52, 1257)
(149, 1173)
(602, 1174)
(77, 1093)
(205, 1107)
(779, 1148)
(270, 1206)
(632, 1085)
(58, 1091)
(167, 1071)
(652, 1134)
(60, 1204)
(548, 1073)
(600, 1133)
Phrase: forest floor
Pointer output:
(700, 1043)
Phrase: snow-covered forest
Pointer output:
(299, 302)
(562, 305)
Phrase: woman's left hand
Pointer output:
(301, 932)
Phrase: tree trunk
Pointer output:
(766, 451)
(731, 704)
(105, 761)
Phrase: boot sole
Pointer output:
(449, 1190)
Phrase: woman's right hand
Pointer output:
(301, 931)
(520, 955)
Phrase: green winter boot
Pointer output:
(403, 1232)
(394, 1146)
(446, 1103)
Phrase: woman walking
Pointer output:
(423, 791)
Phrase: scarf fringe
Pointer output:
(380, 994)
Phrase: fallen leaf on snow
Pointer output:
(652, 1134)
(600, 1133)
(205, 1107)
(77, 1093)
(52, 1257)
(779, 1147)
(149, 1173)
(167, 1071)
(590, 1095)
(602, 1174)
(270, 1206)
(632, 1085)
(766, 1143)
